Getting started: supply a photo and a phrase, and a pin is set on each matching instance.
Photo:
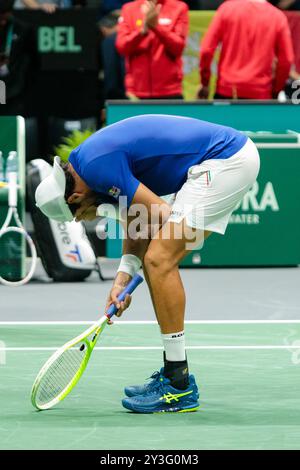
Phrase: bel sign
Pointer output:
(59, 39)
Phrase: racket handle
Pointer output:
(131, 286)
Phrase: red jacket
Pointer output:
(252, 33)
(153, 61)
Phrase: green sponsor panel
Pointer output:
(245, 115)
(265, 229)
(12, 246)
(259, 232)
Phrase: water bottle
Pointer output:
(1, 167)
(12, 178)
(12, 163)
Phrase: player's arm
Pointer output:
(145, 209)
(145, 216)
(150, 212)
(132, 257)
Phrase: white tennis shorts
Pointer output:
(214, 189)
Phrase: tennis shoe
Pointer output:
(154, 380)
(163, 398)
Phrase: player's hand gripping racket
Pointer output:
(6, 229)
(63, 370)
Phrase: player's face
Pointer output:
(86, 209)
(83, 201)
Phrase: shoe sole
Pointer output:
(183, 410)
(189, 410)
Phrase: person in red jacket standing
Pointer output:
(256, 54)
(152, 36)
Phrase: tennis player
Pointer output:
(203, 171)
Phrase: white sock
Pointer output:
(174, 346)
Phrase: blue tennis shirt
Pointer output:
(155, 150)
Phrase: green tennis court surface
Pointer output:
(248, 373)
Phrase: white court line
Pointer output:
(159, 348)
(150, 322)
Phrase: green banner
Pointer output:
(199, 22)
(258, 233)
(12, 246)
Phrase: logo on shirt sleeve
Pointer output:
(114, 192)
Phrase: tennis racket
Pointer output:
(6, 229)
(62, 371)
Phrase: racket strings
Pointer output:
(60, 374)
(11, 249)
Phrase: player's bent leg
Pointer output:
(173, 389)
(161, 262)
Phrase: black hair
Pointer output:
(70, 186)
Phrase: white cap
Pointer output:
(50, 195)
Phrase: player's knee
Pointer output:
(158, 261)
(151, 260)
